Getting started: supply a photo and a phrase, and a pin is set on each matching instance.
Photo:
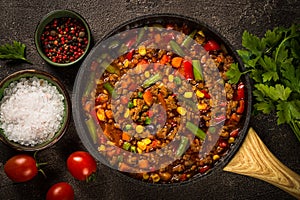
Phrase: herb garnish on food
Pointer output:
(14, 51)
(273, 62)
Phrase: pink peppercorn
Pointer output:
(65, 39)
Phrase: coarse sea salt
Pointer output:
(31, 111)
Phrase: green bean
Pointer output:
(182, 146)
(109, 88)
(92, 129)
(197, 70)
(110, 68)
(176, 48)
(153, 79)
(188, 40)
(196, 130)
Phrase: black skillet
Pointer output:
(245, 156)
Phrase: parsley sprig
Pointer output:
(14, 51)
(273, 62)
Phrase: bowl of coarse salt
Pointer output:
(34, 110)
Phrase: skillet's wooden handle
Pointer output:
(254, 159)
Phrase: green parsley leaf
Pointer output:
(279, 92)
(233, 73)
(14, 51)
(295, 49)
(274, 66)
(288, 111)
(265, 107)
(272, 37)
(253, 43)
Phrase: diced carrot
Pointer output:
(176, 62)
(144, 164)
(148, 98)
(165, 58)
(126, 136)
(109, 114)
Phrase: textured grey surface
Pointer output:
(229, 18)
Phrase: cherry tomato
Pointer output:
(60, 191)
(81, 165)
(21, 168)
(211, 45)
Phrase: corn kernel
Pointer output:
(181, 110)
(202, 106)
(201, 33)
(231, 140)
(126, 63)
(101, 114)
(126, 114)
(139, 128)
(141, 145)
(142, 50)
(216, 157)
(171, 78)
(199, 94)
(135, 102)
(146, 141)
(139, 150)
(147, 74)
(188, 95)
(101, 148)
(145, 176)
(155, 178)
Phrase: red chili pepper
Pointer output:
(241, 107)
(240, 92)
(188, 70)
(211, 45)
(206, 95)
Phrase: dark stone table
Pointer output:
(229, 18)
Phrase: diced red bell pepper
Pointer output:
(204, 169)
(206, 95)
(150, 113)
(211, 45)
(188, 70)
(240, 94)
(223, 143)
(241, 107)
(129, 55)
(234, 133)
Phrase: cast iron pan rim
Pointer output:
(246, 80)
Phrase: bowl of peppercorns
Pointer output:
(62, 38)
